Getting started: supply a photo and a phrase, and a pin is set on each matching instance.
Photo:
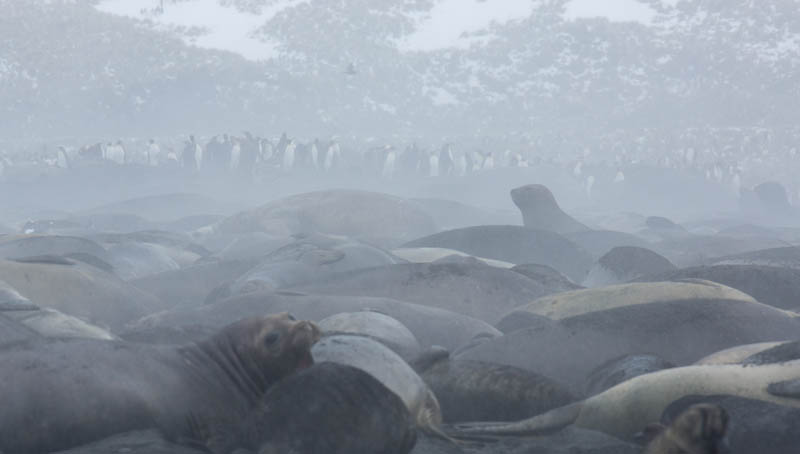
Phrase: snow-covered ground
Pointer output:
(220, 27)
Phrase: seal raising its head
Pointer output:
(100, 388)
(541, 211)
(268, 348)
(700, 429)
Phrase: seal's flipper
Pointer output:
(428, 358)
(548, 422)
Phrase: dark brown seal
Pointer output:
(60, 394)
(328, 408)
(701, 429)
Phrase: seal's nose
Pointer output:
(306, 332)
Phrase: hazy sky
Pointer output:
(229, 29)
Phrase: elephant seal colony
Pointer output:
(409, 333)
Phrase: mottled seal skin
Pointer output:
(480, 391)
(701, 429)
(61, 394)
(621, 369)
(328, 408)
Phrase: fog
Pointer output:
(419, 226)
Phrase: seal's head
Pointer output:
(701, 429)
(534, 197)
(268, 348)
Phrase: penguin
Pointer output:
(488, 163)
(153, 153)
(446, 160)
(236, 151)
(315, 154)
(62, 159)
(189, 155)
(389, 163)
(461, 164)
(288, 156)
(433, 165)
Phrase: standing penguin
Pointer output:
(153, 153)
(315, 154)
(62, 160)
(288, 156)
(389, 163)
(189, 155)
(236, 151)
(433, 164)
(333, 156)
(461, 164)
(115, 153)
(446, 160)
(488, 163)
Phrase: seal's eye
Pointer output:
(291, 317)
(271, 338)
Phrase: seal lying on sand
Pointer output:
(95, 389)
(328, 408)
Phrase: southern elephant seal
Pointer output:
(380, 219)
(514, 244)
(386, 366)
(622, 369)
(625, 263)
(309, 259)
(786, 257)
(626, 409)
(692, 319)
(328, 408)
(472, 289)
(381, 327)
(50, 322)
(12, 332)
(600, 242)
(168, 207)
(735, 355)
(430, 325)
(697, 250)
(755, 425)
(191, 286)
(101, 388)
(773, 285)
(135, 442)
(433, 254)
(19, 246)
(481, 391)
(548, 276)
(700, 429)
(541, 211)
(79, 290)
